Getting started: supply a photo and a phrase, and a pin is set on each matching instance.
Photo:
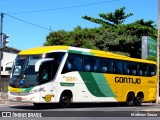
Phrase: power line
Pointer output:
(27, 22)
(62, 8)
(7, 14)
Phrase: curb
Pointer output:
(149, 110)
(10, 103)
(17, 103)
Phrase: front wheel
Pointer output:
(65, 100)
(37, 105)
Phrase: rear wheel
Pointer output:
(130, 99)
(65, 100)
(138, 100)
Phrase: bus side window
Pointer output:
(90, 63)
(87, 67)
(78, 62)
(95, 68)
(69, 64)
(140, 72)
(134, 72)
(86, 63)
(46, 72)
(105, 65)
(132, 68)
(129, 71)
(94, 64)
(111, 67)
(118, 67)
(126, 70)
(115, 70)
(143, 69)
(104, 69)
(67, 67)
(151, 70)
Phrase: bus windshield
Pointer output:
(23, 72)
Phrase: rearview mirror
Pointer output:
(39, 63)
(17, 70)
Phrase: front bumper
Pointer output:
(19, 97)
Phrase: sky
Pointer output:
(63, 15)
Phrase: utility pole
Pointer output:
(1, 43)
(158, 48)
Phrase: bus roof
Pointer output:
(42, 50)
(49, 49)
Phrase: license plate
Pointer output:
(18, 98)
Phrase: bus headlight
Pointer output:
(36, 90)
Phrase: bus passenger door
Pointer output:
(45, 76)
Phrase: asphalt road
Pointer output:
(82, 112)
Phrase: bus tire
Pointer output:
(154, 101)
(65, 100)
(130, 99)
(37, 105)
(138, 100)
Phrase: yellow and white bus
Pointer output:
(64, 75)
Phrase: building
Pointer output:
(9, 55)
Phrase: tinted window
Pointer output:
(73, 63)
(50, 68)
(143, 69)
(118, 67)
(131, 68)
(90, 63)
(46, 72)
(106, 65)
(151, 70)
(56, 55)
(87, 63)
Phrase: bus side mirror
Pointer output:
(39, 63)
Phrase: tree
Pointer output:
(113, 18)
(141, 28)
(112, 35)
(112, 40)
(60, 37)
(138, 29)
(78, 37)
(126, 38)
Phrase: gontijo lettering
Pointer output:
(127, 80)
